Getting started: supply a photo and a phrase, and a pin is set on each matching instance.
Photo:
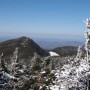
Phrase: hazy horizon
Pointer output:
(45, 37)
(49, 42)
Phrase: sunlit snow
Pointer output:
(53, 54)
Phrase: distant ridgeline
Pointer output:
(27, 47)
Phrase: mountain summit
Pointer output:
(26, 47)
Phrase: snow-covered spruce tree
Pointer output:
(3, 66)
(14, 61)
(87, 43)
(1, 61)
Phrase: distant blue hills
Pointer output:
(51, 43)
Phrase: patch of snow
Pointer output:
(42, 72)
(53, 54)
(8, 76)
(21, 70)
(40, 87)
(24, 43)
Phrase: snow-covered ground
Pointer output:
(70, 74)
(55, 87)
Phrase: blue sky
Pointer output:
(45, 18)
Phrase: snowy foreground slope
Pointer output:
(73, 75)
